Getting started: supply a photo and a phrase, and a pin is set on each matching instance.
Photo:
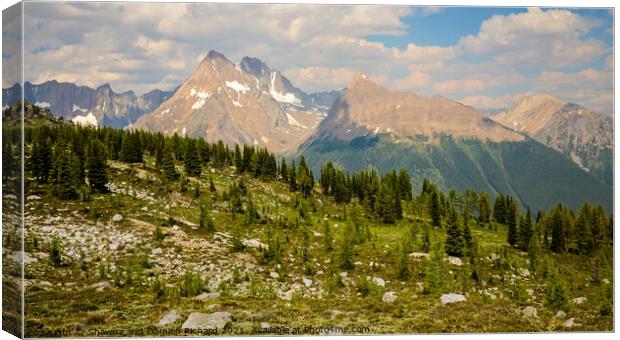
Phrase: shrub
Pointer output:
(191, 284)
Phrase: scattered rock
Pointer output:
(33, 197)
(344, 274)
(378, 281)
(419, 255)
(580, 300)
(389, 297)
(560, 314)
(175, 227)
(455, 261)
(307, 282)
(265, 325)
(170, 317)
(117, 218)
(207, 296)
(452, 298)
(217, 320)
(605, 281)
(569, 323)
(530, 312)
(274, 275)
(99, 286)
(493, 257)
(524, 272)
(254, 243)
(287, 296)
(157, 251)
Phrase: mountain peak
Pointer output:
(538, 99)
(213, 55)
(254, 66)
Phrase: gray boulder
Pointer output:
(389, 297)
(452, 298)
(170, 317)
(117, 218)
(530, 312)
(217, 320)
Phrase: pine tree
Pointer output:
(426, 239)
(525, 231)
(347, 252)
(435, 273)
(292, 178)
(404, 265)
(329, 239)
(63, 181)
(131, 148)
(435, 209)
(557, 230)
(192, 160)
(96, 166)
(206, 221)
(168, 167)
(40, 161)
(533, 251)
(455, 243)
(511, 222)
(484, 208)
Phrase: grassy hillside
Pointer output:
(539, 176)
(124, 275)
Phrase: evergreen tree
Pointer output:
(329, 240)
(62, 179)
(435, 209)
(40, 160)
(510, 220)
(558, 241)
(96, 166)
(534, 252)
(192, 160)
(304, 176)
(426, 239)
(131, 148)
(484, 208)
(283, 170)
(347, 252)
(404, 265)
(168, 167)
(525, 231)
(455, 243)
(404, 185)
(292, 178)
(435, 273)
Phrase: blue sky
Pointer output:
(481, 56)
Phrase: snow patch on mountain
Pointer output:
(43, 105)
(199, 104)
(294, 122)
(237, 86)
(236, 103)
(288, 98)
(200, 94)
(85, 120)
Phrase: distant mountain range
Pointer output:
(586, 137)
(541, 150)
(84, 105)
(449, 143)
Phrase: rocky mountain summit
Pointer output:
(582, 135)
(365, 108)
(245, 103)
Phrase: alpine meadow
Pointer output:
(379, 176)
